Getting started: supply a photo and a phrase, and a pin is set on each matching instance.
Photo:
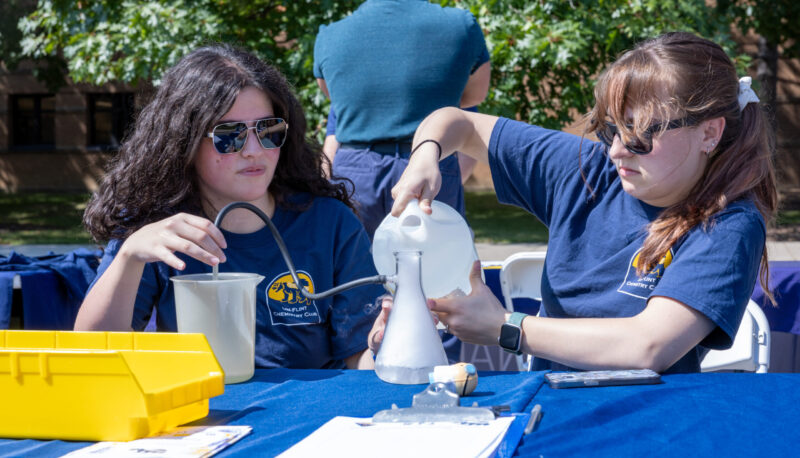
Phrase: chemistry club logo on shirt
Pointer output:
(641, 287)
(286, 305)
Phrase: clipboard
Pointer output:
(436, 404)
(435, 425)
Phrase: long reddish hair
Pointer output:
(680, 75)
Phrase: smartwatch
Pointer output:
(510, 338)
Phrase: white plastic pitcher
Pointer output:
(444, 239)
(225, 311)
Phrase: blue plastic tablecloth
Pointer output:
(285, 405)
(709, 414)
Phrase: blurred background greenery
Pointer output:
(545, 54)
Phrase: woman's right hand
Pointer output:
(192, 235)
(421, 180)
(450, 129)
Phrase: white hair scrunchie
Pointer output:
(746, 94)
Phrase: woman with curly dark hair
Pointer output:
(224, 126)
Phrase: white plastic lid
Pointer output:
(444, 239)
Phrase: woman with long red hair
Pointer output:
(657, 231)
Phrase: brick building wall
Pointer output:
(57, 141)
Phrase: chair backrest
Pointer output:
(521, 276)
(750, 349)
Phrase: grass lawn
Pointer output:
(53, 218)
(493, 222)
(788, 218)
(42, 218)
(49, 218)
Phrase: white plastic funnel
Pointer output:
(225, 311)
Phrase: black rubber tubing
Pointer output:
(377, 279)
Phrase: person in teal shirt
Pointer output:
(386, 67)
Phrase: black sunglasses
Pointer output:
(230, 137)
(635, 145)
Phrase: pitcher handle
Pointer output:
(412, 219)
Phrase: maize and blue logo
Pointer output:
(287, 306)
(641, 287)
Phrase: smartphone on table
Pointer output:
(602, 378)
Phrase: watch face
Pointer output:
(510, 337)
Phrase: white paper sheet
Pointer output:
(359, 437)
(187, 441)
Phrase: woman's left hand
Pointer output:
(476, 318)
(375, 336)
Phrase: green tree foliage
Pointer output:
(777, 24)
(136, 41)
(776, 21)
(49, 69)
(545, 53)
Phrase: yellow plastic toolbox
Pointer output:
(103, 386)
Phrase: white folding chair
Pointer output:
(750, 349)
(521, 276)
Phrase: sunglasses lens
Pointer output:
(635, 146)
(605, 138)
(230, 137)
(640, 146)
(271, 132)
(606, 134)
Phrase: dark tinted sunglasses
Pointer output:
(635, 145)
(231, 137)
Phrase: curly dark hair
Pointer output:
(153, 175)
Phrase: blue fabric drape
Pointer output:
(784, 281)
(6, 297)
(53, 287)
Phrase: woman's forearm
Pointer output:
(109, 304)
(587, 343)
(654, 339)
(361, 360)
(457, 130)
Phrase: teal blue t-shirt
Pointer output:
(391, 63)
(590, 270)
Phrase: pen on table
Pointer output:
(536, 414)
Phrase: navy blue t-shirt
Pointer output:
(391, 63)
(590, 270)
(328, 246)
